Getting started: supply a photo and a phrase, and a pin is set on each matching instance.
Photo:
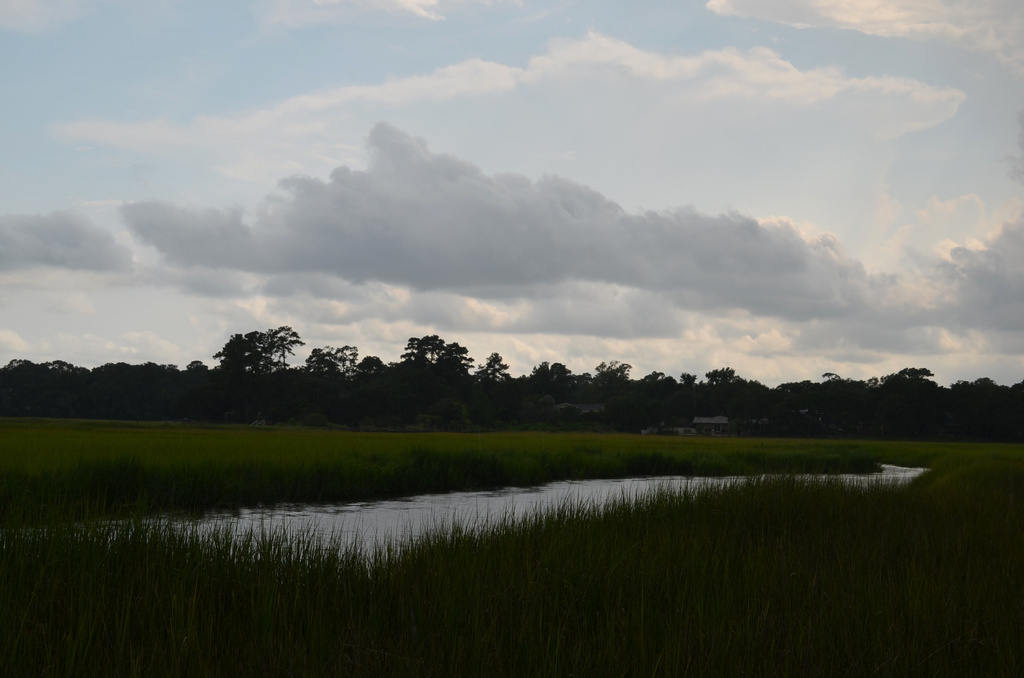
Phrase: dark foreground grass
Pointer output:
(775, 577)
(118, 468)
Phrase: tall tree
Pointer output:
(493, 371)
(446, 360)
(611, 378)
(333, 363)
(281, 343)
(259, 352)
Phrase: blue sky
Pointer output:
(787, 187)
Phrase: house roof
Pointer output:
(711, 420)
(582, 407)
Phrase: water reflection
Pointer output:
(395, 521)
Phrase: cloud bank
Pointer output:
(718, 91)
(422, 241)
(430, 238)
(987, 280)
(433, 222)
(60, 240)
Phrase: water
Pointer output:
(396, 521)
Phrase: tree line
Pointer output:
(436, 385)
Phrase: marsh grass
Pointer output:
(776, 576)
(124, 468)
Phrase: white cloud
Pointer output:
(96, 349)
(995, 26)
(942, 225)
(758, 74)
(716, 89)
(70, 303)
(147, 343)
(12, 343)
(295, 13)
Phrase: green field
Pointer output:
(110, 467)
(780, 576)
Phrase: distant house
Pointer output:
(714, 426)
(663, 430)
(584, 408)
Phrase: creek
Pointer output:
(396, 521)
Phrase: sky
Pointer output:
(784, 187)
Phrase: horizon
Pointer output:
(300, 354)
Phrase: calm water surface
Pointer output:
(396, 521)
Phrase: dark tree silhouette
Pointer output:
(333, 363)
(492, 371)
(432, 387)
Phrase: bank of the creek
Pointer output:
(398, 521)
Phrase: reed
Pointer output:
(777, 576)
(122, 468)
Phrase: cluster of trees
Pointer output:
(111, 391)
(436, 385)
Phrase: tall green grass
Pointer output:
(120, 468)
(777, 576)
